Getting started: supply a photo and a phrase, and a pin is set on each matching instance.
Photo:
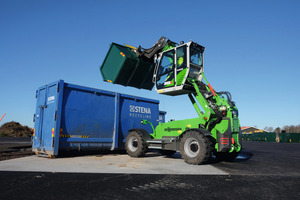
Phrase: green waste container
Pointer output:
(122, 66)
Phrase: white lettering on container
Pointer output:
(139, 112)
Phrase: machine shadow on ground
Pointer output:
(243, 156)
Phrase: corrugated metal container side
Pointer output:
(72, 117)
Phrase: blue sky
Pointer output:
(252, 50)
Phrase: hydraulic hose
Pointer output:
(228, 95)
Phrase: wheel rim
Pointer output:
(133, 144)
(191, 147)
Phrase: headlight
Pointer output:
(235, 113)
(223, 110)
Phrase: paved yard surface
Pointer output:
(263, 171)
(153, 163)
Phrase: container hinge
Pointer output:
(33, 118)
(55, 117)
(57, 87)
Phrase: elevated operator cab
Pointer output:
(175, 66)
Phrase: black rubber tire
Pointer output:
(167, 152)
(135, 144)
(229, 157)
(195, 148)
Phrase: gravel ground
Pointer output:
(15, 154)
(14, 147)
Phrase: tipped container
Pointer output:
(122, 66)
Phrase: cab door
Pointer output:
(181, 65)
(165, 76)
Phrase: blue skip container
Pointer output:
(72, 117)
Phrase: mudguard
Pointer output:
(143, 132)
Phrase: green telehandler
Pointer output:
(177, 69)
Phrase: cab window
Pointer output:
(181, 64)
(196, 56)
(181, 57)
(165, 73)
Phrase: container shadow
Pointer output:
(101, 153)
(74, 153)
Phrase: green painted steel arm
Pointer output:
(208, 111)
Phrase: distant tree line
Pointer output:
(284, 129)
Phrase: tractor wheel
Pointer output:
(135, 144)
(167, 152)
(229, 157)
(195, 148)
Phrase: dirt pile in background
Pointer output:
(15, 129)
